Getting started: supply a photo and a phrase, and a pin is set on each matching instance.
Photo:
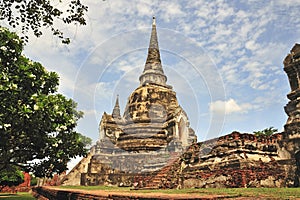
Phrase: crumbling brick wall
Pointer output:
(233, 160)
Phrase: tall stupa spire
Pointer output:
(116, 111)
(153, 72)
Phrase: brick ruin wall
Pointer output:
(234, 160)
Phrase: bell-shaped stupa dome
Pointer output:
(153, 119)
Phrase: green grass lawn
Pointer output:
(268, 193)
(18, 196)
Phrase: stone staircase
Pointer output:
(74, 176)
(157, 181)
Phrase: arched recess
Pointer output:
(182, 129)
(101, 129)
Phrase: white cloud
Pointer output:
(89, 112)
(172, 10)
(251, 45)
(229, 107)
(104, 89)
(144, 8)
(287, 2)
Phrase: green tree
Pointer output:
(35, 14)
(36, 123)
(266, 132)
(11, 177)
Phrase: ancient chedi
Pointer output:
(153, 118)
(153, 130)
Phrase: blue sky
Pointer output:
(223, 59)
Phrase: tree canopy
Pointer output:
(36, 123)
(266, 132)
(35, 14)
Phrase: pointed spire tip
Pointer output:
(153, 20)
(153, 71)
